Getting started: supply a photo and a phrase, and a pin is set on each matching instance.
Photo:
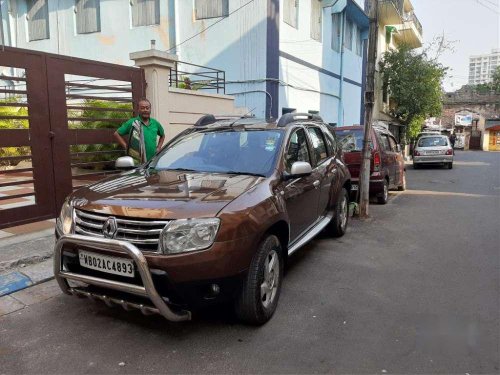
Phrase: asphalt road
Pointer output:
(415, 289)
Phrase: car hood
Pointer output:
(163, 194)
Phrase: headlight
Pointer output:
(188, 235)
(65, 220)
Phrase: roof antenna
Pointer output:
(244, 116)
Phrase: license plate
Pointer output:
(354, 187)
(104, 263)
(432, 153)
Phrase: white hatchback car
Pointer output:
(433, 149)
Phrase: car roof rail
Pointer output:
(211, 119)
(288, 118)
(205, 120)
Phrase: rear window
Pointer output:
(432, 142)
(350, 139)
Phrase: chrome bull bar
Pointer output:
(148, 290)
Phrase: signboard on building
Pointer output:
(463, 119)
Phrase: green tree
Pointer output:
(496, 80)
(414, 82)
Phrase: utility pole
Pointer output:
(364, 177)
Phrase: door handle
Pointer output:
(316, 184)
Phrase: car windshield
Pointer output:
(350, 139)
(432, 142)
(224, 151)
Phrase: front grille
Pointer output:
(142, 233)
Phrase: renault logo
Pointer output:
(109, 228)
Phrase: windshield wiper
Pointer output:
(245, 173)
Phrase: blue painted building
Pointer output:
(278, 55)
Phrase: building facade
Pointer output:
(398, 24)
(277, 55)
(482, 67)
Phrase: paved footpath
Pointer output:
(413, 290)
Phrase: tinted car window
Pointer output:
(351, 139)
(385, 142)
(318, 144)
(432, 142)
(393, 144)
(250, 151)
(297, 149)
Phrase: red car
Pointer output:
(387, 168)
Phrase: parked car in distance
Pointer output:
(433, 149)
(212, 217)
(387, 167)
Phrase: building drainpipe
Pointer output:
(340, 121)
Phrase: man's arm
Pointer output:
(160, 143)
(120, 140)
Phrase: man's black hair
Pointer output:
(144, 100)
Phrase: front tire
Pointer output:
(262, 286)
(338, 225)
(384, 197)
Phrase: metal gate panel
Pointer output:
(27, 193)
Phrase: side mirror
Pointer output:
(299, 169)
(135, 147)
(125, 163)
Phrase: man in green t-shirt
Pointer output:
(150, 129)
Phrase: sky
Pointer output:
(474, 25)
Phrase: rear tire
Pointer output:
(450, 165)
(338, 225)
(383, 198)
(416, 166)
(262, 285)
(402, 187)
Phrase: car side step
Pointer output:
(311, 232)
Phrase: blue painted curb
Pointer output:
(12, 282)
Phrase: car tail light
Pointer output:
(416, 153)
(376, 162)
(449, 152)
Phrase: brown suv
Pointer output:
(387, 166)
(212, 217)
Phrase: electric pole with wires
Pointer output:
(364, 176)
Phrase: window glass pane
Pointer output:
(38, 19)
(319, 147)
(290, 12)
(348, 34)
(145, 12)
(297, 149)
(336, 27)
(211, 9)
(316, 16)
(359, 42)
(393, 144)
(88, 18)
(385, 143)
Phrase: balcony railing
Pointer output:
(398, 4)
(196, 77)
(411, 17)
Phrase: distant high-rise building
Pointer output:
(482, 67)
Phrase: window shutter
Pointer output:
(290, 12)
(316, 19)
(336, 21)
(145, 12)
(88, 17)
(211, 9)
(38, 19)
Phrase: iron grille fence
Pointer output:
(197, 77)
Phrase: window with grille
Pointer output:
(88, 16)
(336, 27)
(145, 12)
(348, 34)
(38, 19)
(290, 12)
(211, 9)
(316, 19)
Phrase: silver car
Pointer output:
(433, 149)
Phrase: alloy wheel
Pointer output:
(269, 287)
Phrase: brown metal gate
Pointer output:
(475, 140)
(57, 118)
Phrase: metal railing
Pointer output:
(411, 17)
(197, 77)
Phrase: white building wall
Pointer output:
(482, 67)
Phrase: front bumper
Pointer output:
(433, 159)
(147, 289)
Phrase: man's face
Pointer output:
(144, 109)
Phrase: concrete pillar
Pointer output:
(157, 66)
